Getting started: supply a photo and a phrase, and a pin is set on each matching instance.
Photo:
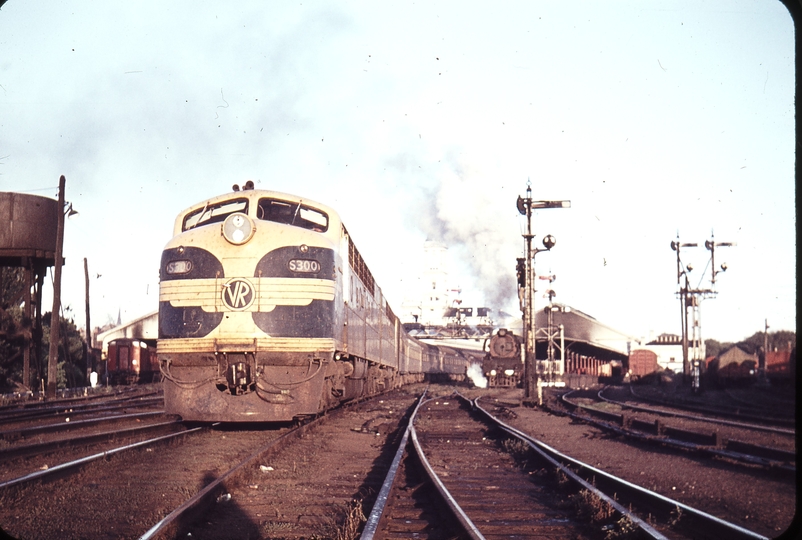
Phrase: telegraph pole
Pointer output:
(52, 360)
(88, 345)
(762, 361)
(525, 207)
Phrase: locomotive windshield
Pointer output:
(292, 213)
(214, 213)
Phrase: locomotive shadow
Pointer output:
(220, 517)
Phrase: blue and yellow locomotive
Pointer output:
(267, 312)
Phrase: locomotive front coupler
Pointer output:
(239, 371)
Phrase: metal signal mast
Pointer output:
(525, 206)
(691, 299)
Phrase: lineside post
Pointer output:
(525, 207)
(52, 360)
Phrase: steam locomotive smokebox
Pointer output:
(28, 227)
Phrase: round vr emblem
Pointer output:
(238, 294)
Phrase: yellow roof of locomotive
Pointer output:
(256, 194)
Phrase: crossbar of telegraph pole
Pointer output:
(525, 207)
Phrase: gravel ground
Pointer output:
(125, 494)
(749, 497)
(764, 438)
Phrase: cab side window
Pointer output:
(292, 213)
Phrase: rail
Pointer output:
(44, 447)
(67, 425)
(697, 520)
(710, 444)
(470, 529)
(372, 523)
(168, 526)
(721, 421)
(78, 462)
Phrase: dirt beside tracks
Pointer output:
(321, 485)
(761, 501)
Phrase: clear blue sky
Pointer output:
(424, 120)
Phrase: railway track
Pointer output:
(734, 441)
(123, 491)
(66, 425)
(666, 411)
(73, 411)
(313, 483)
(40, 433)
(537, 493)
(315, 478)
(485, 491)
(74, 441)
(76, 397)
(671, 517)
(737, 409)
(321, 480)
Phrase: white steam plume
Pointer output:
(481, 230)
(475, 374)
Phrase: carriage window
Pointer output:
(292, 213)
(214, 213)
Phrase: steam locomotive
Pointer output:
(502, 364)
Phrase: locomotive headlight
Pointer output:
(509, 372)
(238, 228)
(492, 372)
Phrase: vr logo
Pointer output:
(238, 294)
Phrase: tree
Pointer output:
(70, 352)
(15, 329)
(12, 286)
(714, 348)
(780, 340)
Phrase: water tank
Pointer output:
(28, 225)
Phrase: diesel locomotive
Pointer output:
(268, 312)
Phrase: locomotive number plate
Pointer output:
(304, 265)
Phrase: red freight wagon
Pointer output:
(642, 362)
(131, 361)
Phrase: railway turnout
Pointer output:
(394, 466)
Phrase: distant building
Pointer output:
(736, 362)
(780, 362)
(668, 348)
(144, 328)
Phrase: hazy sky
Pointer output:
(424, 120)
